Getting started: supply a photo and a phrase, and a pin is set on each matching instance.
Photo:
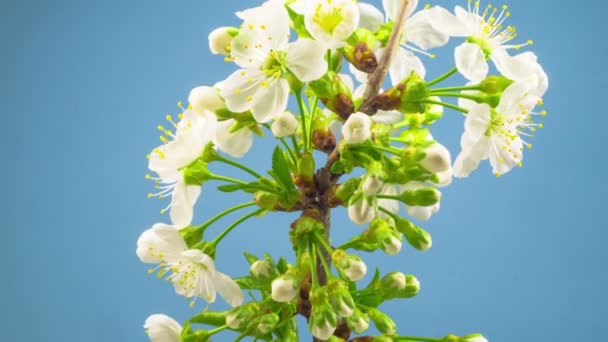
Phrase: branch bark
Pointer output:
(376, 78)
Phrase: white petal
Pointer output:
(516, 69)
(370, 17)
(477, 121)
(341, 31)
(162, 242)
(388, 204)
(420, 31)
(472, 22)
(271, 20)
(205, 98)
(182, 203)
(239, 89)
(228, 289)
(360, 76)
(403, 64)
(270, 100)
(468, 160)
(505, 154)
(388, 117)
(392, 8)
(306, 59)
(471, 62)
(422, 213)
(236, 144)
(250, 48)
(447, 23)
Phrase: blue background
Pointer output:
(84, 84)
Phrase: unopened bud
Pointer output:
(386, 237)
(495, 84)
(264, 324)
(393, 282)
(436, 159)
(372, 185)
(358, 322)
(382, 321)
(340, 299)
(416, 236)
(285, 288)
(323, 319)
(240, 316)
(220, 40)
(361, 211)
(412, 287)
(323, 140)
(265, 200)
(423, 196)
(285, 124)
(357, 129)
(263, 270)
(473, 338)
(347, 189)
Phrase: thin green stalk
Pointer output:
(295, 144)
(289, 150)
(217, 330)
(313, 264)
(325, 264)
(224, 213)
(388, 212)
(239, 165)
(222, 235)
(472, 97)
(228, 179)
(447, 105)
(313, 111)
(324, 243)
(303, 118)
(417, 338)
(349, 244)
(473, 87)
(443, 77)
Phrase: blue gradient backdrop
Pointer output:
(84, 84)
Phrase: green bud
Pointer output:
(362, 57)
(412, 287)
(339, 298)
(263, 271)
(265, 200)
(334, 94)
(197, 173)
(382, 321)
(416, 236)
(209, 153)
(307, 166)
(210, 318)
(351, 266)
(495, 84)
(240, 316)
(358, 322)
(347, 189)
(392, 283)
(264, 324)
(385, 236)
(473, 338)
(415, 92)
(423, 197)
(323, 320)
(451, 338)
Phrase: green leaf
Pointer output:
(250, 258)
(247, 283)
(280, 169)
(282, 265)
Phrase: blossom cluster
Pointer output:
(326, 53)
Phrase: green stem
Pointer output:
(388, 212)
(228, 179)
(295, 144)
(417, 338)
(447, 105)
(349, 244)
(443, 77)
(217, 330)
(289, 150)
(473, 87)
(313, 111)
(471, 97)
(303, 118)
(224, 213)
(313, 264)
(325, 264)
(324, 243)
(239, 165)
(222, 235)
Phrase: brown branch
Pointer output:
(376, 79)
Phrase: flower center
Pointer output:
(274, 65)
(328, 19)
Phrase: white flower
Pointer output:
(162, 328)
(359, 324)
(487, 38)
(260, 269)
(357, 129)
(495, 134)
(389, 204)
(391, 246)
(193, 273)
(285, 124)
(323, 331)
(220, 40)
(284, 289)
(437, 158)
(168, 161)
(361, 211)
(419, 35)
(418, 212)
(329, 22)
(235, 143)
(263, 52)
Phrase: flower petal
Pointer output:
(446, 22)
(391, 7)
(182, 203)
(370, 17)
(271, 100)
(306, 59)
(471, 62)
(236, 144)
(162, 242)
(239, 89)
(228, 289)
(404, 63)
(420, 31)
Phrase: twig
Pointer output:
(376, 78)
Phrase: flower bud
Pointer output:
(240, 316)
(361, 211)
(205, 99)
(265, 200)
(263, 271)
(416, 236)
(494, 84)
(334, 93)
(386, 237)
(220, 40)
(285, 124)
(323, 319)
(382, 321)
(264, 324)
(357, 129)
(412, 287)
(285, 288)
(372, 185)
(393, 282)
(358, 322)
(473, 338)
(334, 338)
(350, 265)
(421, 202)
(162, 328)
(340, 299)
(437, 158)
